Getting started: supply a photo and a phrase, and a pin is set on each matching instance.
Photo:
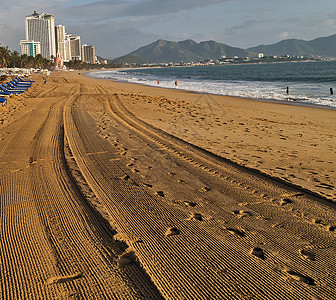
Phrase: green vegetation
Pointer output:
(79, 65)
(12, 59)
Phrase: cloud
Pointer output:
(12, 18)
(107, 10)
(113, 39)
(118, 27)
(284, 35)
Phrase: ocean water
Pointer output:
(307, 82)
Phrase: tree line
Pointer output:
(12, 59)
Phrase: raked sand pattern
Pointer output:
(118, 191)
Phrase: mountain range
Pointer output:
(320, 47)
(189, 50)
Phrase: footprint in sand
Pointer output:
(316, 221)
(242, 213)
(330, 228)
(160, 193)
(205, 189)
(236, 232)
(172, 231)
(125, 177)
(285, 201)
(196, 216)
(189, 203)
(126, 259)
(258, 252)
(147, 184)
(299, 277)
(307, 255)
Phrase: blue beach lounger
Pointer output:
(18, 83)
(21, 80)
(11, 85)
(3, 93)
(10, 91)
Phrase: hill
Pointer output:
(319, 47)
(186, 51)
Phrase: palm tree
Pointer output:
(15, 59)
(23, 61)
(4, 56)
(39, 61)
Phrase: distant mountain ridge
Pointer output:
(191, 51)
(187, 51)
(319, 47)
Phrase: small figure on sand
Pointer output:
(176, 83)
(158, 81)
(45, 80)
(287, 90)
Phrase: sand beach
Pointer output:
(111, 190)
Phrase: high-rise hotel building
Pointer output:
(88, 54)
(61, 42)
(67, 45)
(41, 28)
(75, 47)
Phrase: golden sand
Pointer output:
(121, 191)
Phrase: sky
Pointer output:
(117, 27)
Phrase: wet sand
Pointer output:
(120, 191)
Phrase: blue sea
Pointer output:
(307, 82)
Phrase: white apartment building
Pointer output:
(88, 54)
(61, 42)
(75, 47)
(67, 46)
(30, 48)
(40, 27)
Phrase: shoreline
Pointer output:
(294, 102)
(291, 139)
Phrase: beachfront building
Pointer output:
(88, 54)
(75, 47)
(40, 27)
(67, 46)
(30, 48)
(61, 42)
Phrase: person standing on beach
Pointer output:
(158, 81)
(176, 83)
(287, 90)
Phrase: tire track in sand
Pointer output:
(206, 259)
(53, 244)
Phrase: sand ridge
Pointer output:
(115, 191)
